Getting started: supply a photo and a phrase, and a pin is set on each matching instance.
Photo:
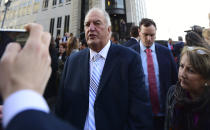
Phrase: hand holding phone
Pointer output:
(29, 67)
(12, 35)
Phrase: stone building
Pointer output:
(60, 16)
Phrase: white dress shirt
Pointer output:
(103, 54)
(135, 39)
(20, 101)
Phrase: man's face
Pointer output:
(170, 41)
(147, 35)
(97, 33)
(61, 49)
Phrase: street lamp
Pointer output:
(7, 4)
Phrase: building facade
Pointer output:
(209, 19)
(60, 16)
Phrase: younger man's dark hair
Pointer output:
(147, 22)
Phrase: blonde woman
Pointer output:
(188, 102)
(72, 46)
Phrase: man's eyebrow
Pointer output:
(93, 21)
(97, 20)
(148, 34)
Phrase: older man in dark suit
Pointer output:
(102, 87)
(159, 69)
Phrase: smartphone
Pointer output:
(12, 35)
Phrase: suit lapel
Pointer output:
(84, 71)
(159, 59)
(108, 67)
(137, 48)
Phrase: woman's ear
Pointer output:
(207, 83)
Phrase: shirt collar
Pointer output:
(143, 48)
(134, 38)
(102, 53)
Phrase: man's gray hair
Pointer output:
(106, 15)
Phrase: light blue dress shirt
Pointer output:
(169, 46)
(156, 67)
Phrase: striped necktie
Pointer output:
(97, 64)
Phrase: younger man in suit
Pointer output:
(159, 69)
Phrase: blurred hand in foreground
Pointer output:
(27, 67)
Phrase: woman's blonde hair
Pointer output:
(71, 45)
(206, 35)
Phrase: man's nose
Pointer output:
(92, 26)
(148, 38)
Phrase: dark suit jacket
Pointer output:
(178, 48)
(52, 88)
(131, 42)
(37, 120)
(167, 69)
(177, 51)
(121, 101)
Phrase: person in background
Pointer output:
(57, 40)
(72, 46)
(51, 90)
(188, 102)
(62, 52)
(134, 39)
(198, 30)
(180, 39)
(83, 44)
(65, 37)
(159, 69)
(123, 29)
(177, 50)
(170, 44)
(115, 38)
(71, 35)
(193, 39)
(61, 59)
(206, 35)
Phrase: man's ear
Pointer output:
(139, 30)
(109, 29)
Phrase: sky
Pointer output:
(173, 17)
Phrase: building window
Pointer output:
(54, 2)
(52, 22)
(115, 4)
(66, 23)
(45, 3)
(68, 0)
(59, 22)
(58, 32)
(61, 1)
(36, 6)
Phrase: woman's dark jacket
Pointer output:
(187, 114)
